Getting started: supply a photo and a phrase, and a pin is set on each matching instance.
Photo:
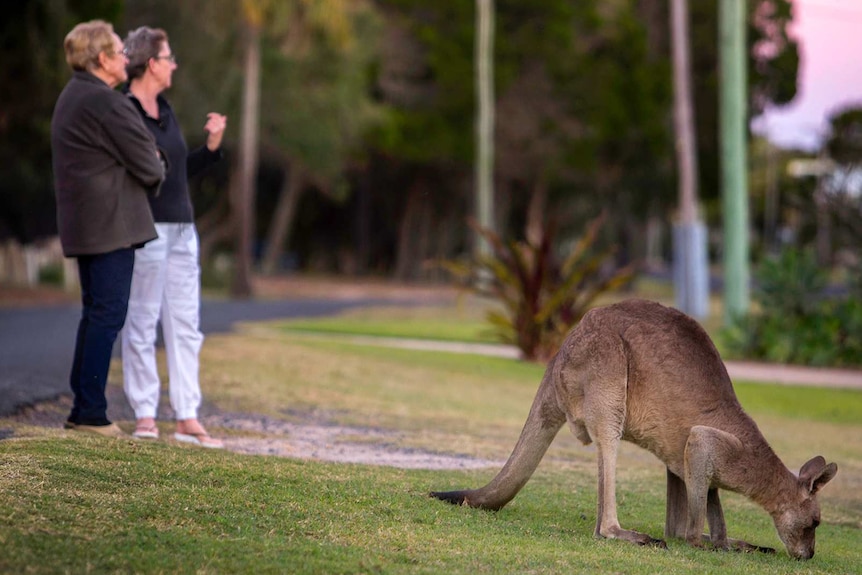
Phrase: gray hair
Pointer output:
(141, 45)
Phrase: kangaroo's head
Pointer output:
(797, 518)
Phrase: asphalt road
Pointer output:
(37, 343)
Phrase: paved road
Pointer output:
(37, 343)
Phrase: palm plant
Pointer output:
(542, 297)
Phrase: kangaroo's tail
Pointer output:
(544, 422)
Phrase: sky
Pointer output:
(830, 75)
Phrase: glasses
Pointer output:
(170, 57)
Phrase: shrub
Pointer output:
(795, 320)
(51, 274)
(542, 296)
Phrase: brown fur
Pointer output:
(648, 374)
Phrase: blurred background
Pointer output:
(352, 142)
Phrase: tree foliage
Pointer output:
(796, 321)
(372, 103)
(583, 96)
(844, 185)
(34, 71)
(773, 64)
(314, 99)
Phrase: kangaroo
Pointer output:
(641, 372)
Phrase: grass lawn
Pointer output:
(71, 503)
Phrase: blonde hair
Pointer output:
(86, 41)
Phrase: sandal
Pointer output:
(146, 431)
(202, 439)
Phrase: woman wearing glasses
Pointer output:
(166, 279)
(105, 165)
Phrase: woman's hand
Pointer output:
(216, 123)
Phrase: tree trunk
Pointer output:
(362, 229)
(244, 192)
(536, 213)
(684, 114)
(219, 224)
(484, 56)
(214, 227)
(282, 219)
(407, 233)
(654, 258)
(214, 217)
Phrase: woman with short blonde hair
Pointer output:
(105, 163)
(85, 42)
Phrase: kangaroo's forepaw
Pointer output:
(658, 543)
(635, 537)
(453, 497)
(746, 547)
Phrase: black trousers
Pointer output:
(105, 283)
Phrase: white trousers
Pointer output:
(166, 288)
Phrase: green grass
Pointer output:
(91, 505)
(843, 406)
(71, 503)
(444, 323)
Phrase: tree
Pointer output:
(33, 71)
(773, 56)
(242, 193)
(321, 91)
(294, 74)
(565, 75)
(772, 69)
(207, 40)
(484, 164)
(842, 188)
(631, 116)
(425, 78)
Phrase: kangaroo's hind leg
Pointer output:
(593, 383)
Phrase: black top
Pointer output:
(174, 204)
(105, 163)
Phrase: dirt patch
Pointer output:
(314, 437)
(19, 296)
(329, 442)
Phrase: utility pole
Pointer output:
(734, 164)
(690, 268)
(484, 176)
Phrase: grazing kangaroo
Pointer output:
(648, 374)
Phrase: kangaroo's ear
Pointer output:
(815, 474)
